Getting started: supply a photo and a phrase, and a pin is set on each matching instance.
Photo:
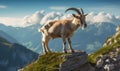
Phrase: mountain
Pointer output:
(89, 39)
(14, 56)
(7, 37)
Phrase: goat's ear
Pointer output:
(74, 15)
(86, 14)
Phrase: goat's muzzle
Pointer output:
(84, 26)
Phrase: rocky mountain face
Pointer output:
(14, 56)
(109, 61)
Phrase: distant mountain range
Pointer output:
(89, 39)
(14, 56)
(8, 37)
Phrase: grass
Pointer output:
(47, 62)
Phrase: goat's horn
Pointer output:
(75, 9)
(82, 10)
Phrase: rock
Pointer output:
(118, 29)
(118, 57)
(20, 69)
(99, 63)
(109, 67)
(118, 49)
(76, 62)
(105, 44)
(109, 61)
(116, 34)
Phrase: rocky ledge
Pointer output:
(61, 62)
(76, 62)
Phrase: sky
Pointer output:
(21, 8)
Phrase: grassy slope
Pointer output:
(48, 62)
(103, 50)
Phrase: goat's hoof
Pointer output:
(72, 51)
(64, 51)
(45, 52)
(48, 51)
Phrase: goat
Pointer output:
(62, 29)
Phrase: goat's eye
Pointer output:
(77, 17)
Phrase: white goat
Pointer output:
(62, 29)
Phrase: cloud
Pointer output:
(3, 6)
(101, 17)
(58, 7)
(8, 21)
(51, 16)
(23, 22)
(66, 16)
(34, 18)
(40, 17)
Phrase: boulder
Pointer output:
(76, 62)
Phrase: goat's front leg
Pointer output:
(47, 48)
(64, 45)
(44, 49)
(70, 46)
(45, 44)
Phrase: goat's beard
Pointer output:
(83, 28)
(39, 30)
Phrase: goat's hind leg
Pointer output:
(70, 46)
(64, 45)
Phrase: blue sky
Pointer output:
(20, 8)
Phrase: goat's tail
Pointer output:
(43, 30)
